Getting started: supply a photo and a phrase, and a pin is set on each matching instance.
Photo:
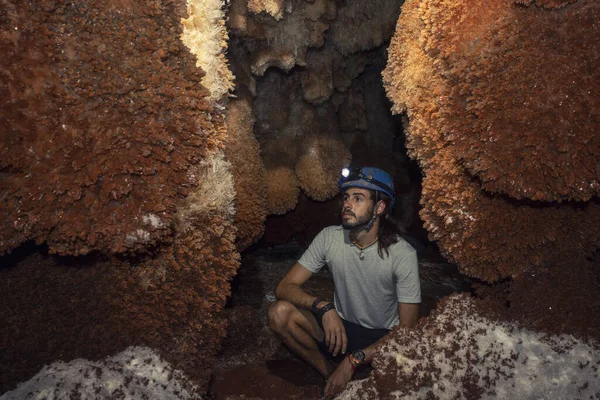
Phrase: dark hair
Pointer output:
(389, 233)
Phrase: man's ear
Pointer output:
(380, 207)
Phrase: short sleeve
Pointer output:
(314, 258)
(408, 284)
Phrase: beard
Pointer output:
(358, 223)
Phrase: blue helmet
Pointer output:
(368, 178)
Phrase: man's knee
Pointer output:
(280, 314)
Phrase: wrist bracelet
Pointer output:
(321, 311)
(353, 362)
(313, 307)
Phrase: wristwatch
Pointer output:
(356, 358)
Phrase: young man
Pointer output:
(376, 281)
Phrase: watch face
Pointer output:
(359, 355)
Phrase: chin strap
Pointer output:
(374, 217)
(371, 223)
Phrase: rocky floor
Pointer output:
(253, 363)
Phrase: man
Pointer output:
(376, 282)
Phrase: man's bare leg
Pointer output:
(299, 331)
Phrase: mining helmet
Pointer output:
(368, 178)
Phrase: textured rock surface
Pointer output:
(242, 150)
(169, 301)
(274, 8)
(320, 162)
(363, 25)
(450, 95)
(463, 352)
(314, 71)
(282, 38)
(137, 372)
(103, 114)
(527, 112)
(205, 35)
(110, 142)
(282, 190)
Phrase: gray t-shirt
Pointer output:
(367, 291)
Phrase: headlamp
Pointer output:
(353, 174)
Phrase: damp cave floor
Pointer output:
(253, 364)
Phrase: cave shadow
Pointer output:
(32, 252)
(246, 286)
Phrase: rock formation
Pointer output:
(101, 122)
(503, 119)
(119, 142)
(111, 141)
(501, 116)
(461, 351)
(242, 150)
(311, 68)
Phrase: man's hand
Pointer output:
(335, 334)
(339, 378)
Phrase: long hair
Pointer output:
(389, 233)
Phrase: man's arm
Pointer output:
(290, 288)
(408, 314)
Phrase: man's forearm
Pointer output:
(370, 351)
(408, 315)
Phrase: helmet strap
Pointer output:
(374, 217)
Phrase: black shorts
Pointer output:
(358, 336)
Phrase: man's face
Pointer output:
(357, 208)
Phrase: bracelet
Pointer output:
(353, 361)
(321, 311)
(313, 307)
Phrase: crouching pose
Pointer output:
(376, 284)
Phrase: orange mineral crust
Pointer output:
(282, 190)
(518, 91)
(502, 109)
(243, 151)
(320, 161)
(87, 308)
(102, 115)
(179, 296)
(494, 237)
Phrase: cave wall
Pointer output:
(103, 116)
(118, 141)
(503, 120)
(112, 146)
